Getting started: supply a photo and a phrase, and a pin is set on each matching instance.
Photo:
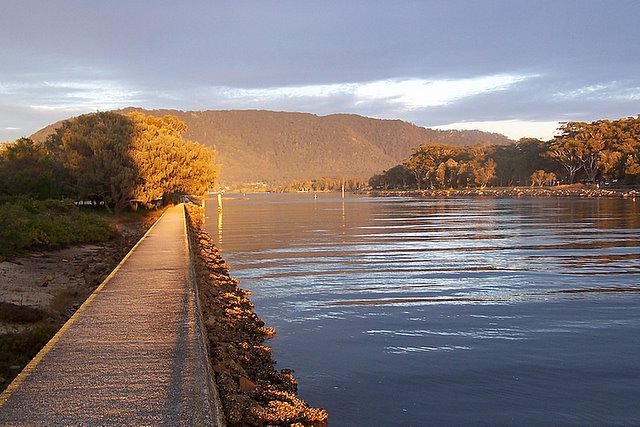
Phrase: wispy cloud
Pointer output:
(421, 93)
(403, 94)
(605, 91)
(81, 95)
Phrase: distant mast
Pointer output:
(343, 191)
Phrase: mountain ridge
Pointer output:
(276, 146)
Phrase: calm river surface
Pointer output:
(416, 311)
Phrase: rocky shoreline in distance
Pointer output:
(576, 191)
(252, 391)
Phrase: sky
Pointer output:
(517, 67)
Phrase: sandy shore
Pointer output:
(252, 391)
(41, 278)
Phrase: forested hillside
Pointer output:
(603, 152)
(278, 147)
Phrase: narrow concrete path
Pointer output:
(132, 354)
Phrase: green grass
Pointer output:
(32, 224)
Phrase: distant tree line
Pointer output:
(323, 184)
(109, 159)
(606, 151)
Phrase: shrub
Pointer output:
(14, 313)
(17, 349)
(28, 224)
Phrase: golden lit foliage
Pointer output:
(541, 178)
(94, 149)
(114, 158)
(443, 166)
(603, 148)
(602, 151)
(166, 162)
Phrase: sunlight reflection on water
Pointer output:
(393, 311)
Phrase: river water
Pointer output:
(414, 311)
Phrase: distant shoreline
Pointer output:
(576, 191)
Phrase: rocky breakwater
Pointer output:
(252, 391)
(579, 191)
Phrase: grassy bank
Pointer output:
(66, 276)
(33, 224)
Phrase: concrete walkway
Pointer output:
(132, 354)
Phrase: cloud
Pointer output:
(396, 94)
(614, 90)
(94, 94)
(420, 93)
(428, 62)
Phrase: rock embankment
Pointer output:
(252, 391)
(515, 192)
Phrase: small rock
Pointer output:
(246, 385)
(47, 280)
(219, 368)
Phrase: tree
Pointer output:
(538, 178)
(447, 173)
(94, 148)
(113, 158)
(549, 178)
(601, 148)
(27, 169)
(425, 161)
(396, 177)
(166, 162)
(567, 150)
(483, 172)
(627, 142)
(417, 164)
(507, 161)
